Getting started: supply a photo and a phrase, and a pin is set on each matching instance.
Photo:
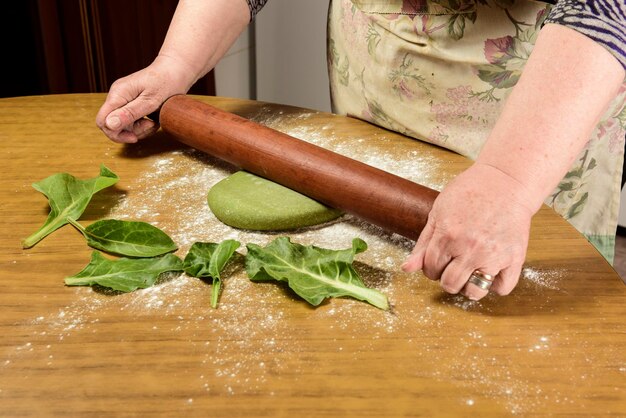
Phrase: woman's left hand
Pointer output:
(480, 221)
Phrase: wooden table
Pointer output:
(557, 345)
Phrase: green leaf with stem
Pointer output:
(68, 197)
(208, 259)
(124, 274)
(129, 238)
(313, 273)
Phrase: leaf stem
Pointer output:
(38, 236)
(76, 225)
(215, 292)
(376, 298)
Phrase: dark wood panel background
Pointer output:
(81, 46)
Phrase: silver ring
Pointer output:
(482, 275)
(481, 280)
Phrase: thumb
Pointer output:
(125, 116)
(415, 261)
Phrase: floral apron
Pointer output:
(440, 71)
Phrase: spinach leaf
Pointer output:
(129, 238)
(313, 273)
(207, 259)
(124, 274)
(68, 197)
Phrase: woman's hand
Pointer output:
(121, 117)
(480, 221)
(199, 35)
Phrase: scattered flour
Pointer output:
(547, 278)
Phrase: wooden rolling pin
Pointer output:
(391, 202)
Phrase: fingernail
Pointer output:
(405, 266)
(113, 122)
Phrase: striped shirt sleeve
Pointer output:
(604, 21)
(255, 7)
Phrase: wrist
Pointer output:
(181, 74)
(507, 186)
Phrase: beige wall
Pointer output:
(291, 53)
(290, 57)
(233, 73)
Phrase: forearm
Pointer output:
(566, 86)
(201, 32)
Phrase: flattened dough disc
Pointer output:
(246, 201)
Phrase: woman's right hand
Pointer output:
(131, 98)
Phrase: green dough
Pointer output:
(246, 201)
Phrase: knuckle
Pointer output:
(429, 273)
(505, 285)
(502, 291)
(474, 295)
(449, 288)
(128, 115)
(152, 99)
(116, 85)
(471, 243)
